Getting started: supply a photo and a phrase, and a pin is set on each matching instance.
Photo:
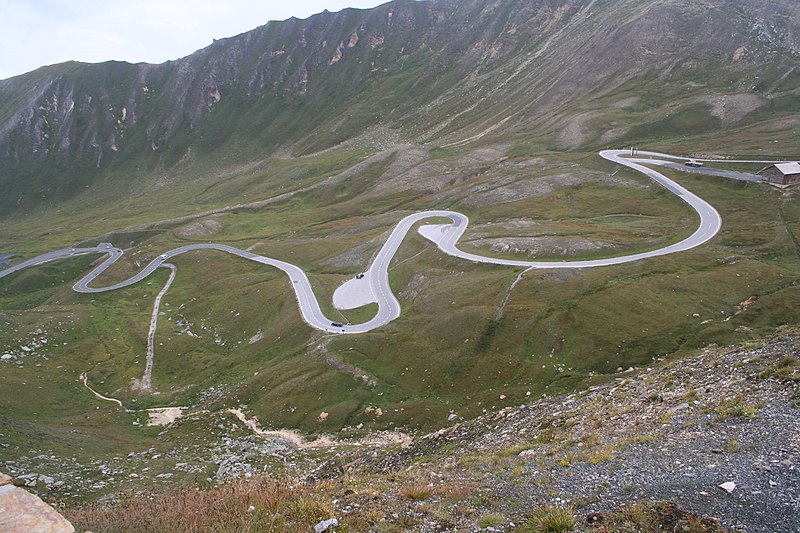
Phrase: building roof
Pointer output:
(788, 168)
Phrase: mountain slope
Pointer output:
(307, 141)
(564, 74)
(674, 431)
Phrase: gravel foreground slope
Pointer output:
(675, 432)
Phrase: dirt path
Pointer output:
(84, 380)
(146, 384)
(157, 416)
(296, 440)
(508, 294)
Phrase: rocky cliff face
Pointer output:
(427, 71)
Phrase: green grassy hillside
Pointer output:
(448, 352)
(495, 110)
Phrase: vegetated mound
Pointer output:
(540, 246)
(716, 433)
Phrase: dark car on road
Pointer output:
(337, 324)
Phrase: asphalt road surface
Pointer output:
(445, 236)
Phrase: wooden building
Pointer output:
(781, 174)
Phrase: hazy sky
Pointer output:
(42, 32)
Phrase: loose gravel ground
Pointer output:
(673, 432)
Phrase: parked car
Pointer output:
(359, 276)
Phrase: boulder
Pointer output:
(325, 525)
(24, 512)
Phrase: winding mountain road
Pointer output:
(373, 286)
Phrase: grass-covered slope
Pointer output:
(595, 461)
(263, 141)
(230, 334)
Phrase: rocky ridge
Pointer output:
(443, 71)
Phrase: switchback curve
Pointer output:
(375, 281)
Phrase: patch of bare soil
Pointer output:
(747, 304)
(612, 135)
(295, 439)
(576, 131)
(732, 108)
(627, 102)
(258, 337)
(200, 228)
(164, 416)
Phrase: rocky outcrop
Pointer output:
(23, 512)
